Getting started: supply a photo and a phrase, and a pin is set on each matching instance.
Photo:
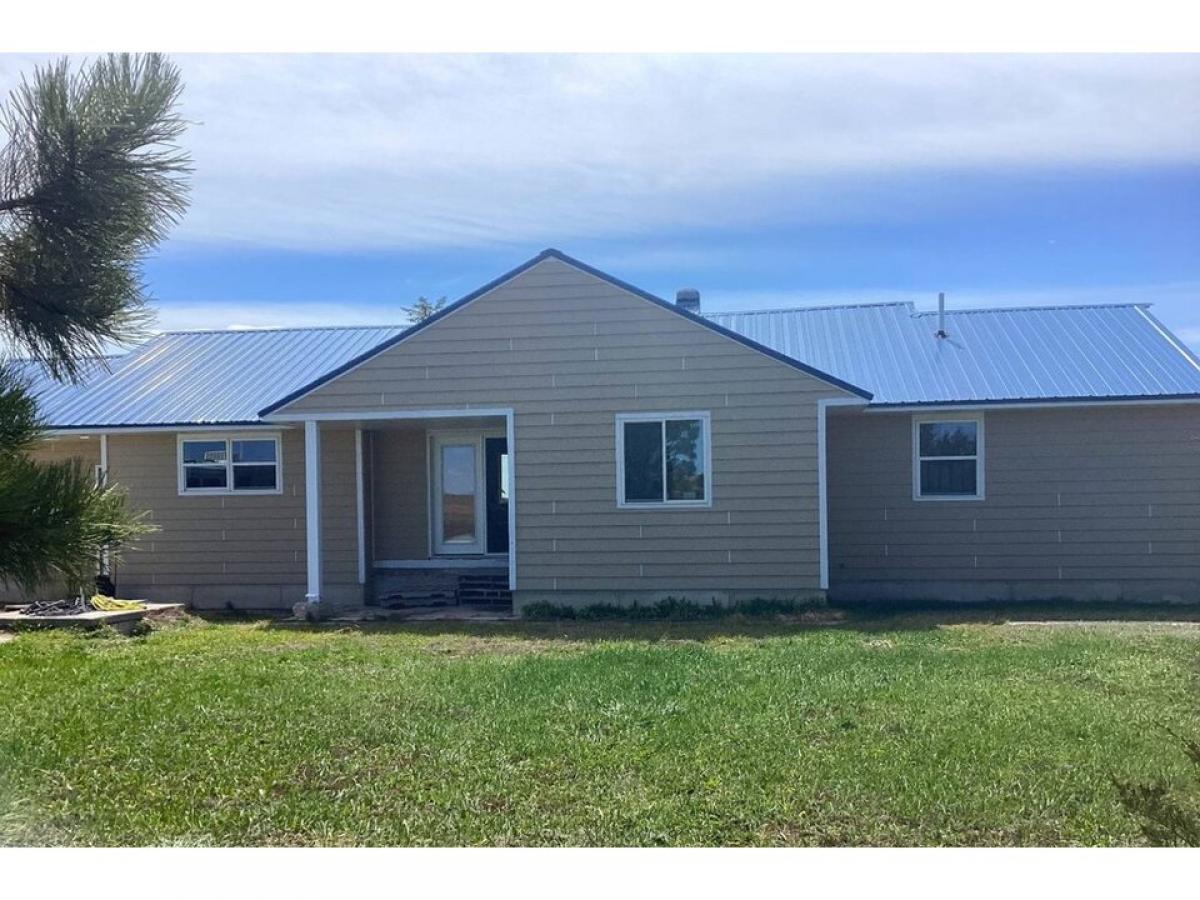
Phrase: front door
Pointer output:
(457, 519)
(470, 494)
(495, 455)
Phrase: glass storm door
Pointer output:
(458, 496)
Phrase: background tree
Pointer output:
(91, 178)
(423, 309)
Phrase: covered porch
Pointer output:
(434, 506)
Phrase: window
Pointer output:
(229, 465)
(948, 458)
(663, 459)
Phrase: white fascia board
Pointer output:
(374, 415)
(933, 408)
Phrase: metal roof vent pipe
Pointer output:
(688, 299)
(941, 332)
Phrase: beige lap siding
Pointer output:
(399, 495)
(87, 451)
(339, 517)
(568, 351)
(84, 449)
(245, 551)
(1087, 503)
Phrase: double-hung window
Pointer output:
(664, 459)
(233, 464)
(948, 458)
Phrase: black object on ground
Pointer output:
(73, 607)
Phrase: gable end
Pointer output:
(551, 253)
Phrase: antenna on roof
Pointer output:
(941, 332)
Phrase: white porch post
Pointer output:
(312, 508)
(359, 506)
(822, 494)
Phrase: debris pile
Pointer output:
(75, 607)
(78, 606)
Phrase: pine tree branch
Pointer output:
(17, 203)
(91, 178)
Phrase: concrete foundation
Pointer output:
(243, 598)
(1141, 591)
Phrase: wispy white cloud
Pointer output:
(390, 152)
(257, 314)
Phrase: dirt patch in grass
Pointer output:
(499, 646)
(287, 647)
(879, 644)
(171, 618)
(1178, 629)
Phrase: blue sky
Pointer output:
(337, 189)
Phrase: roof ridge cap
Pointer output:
(1035, 308)
(1170, 337)
(268, 328)
(820, 308)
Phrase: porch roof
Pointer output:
(200, 377)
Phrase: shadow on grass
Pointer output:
(869, 618)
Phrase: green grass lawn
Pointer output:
(865, 732)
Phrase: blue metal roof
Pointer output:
(988, 356)
(52, 394)
(206, 377)
(887, 349)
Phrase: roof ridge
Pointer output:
(268, 328)
(821, 308)
(1169, 336)
(824, 307)
(1037, 308)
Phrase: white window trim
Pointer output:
(229, 437)
(917, 422)
(706, 428)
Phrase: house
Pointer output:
(581, 441)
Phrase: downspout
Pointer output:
(360, 504)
